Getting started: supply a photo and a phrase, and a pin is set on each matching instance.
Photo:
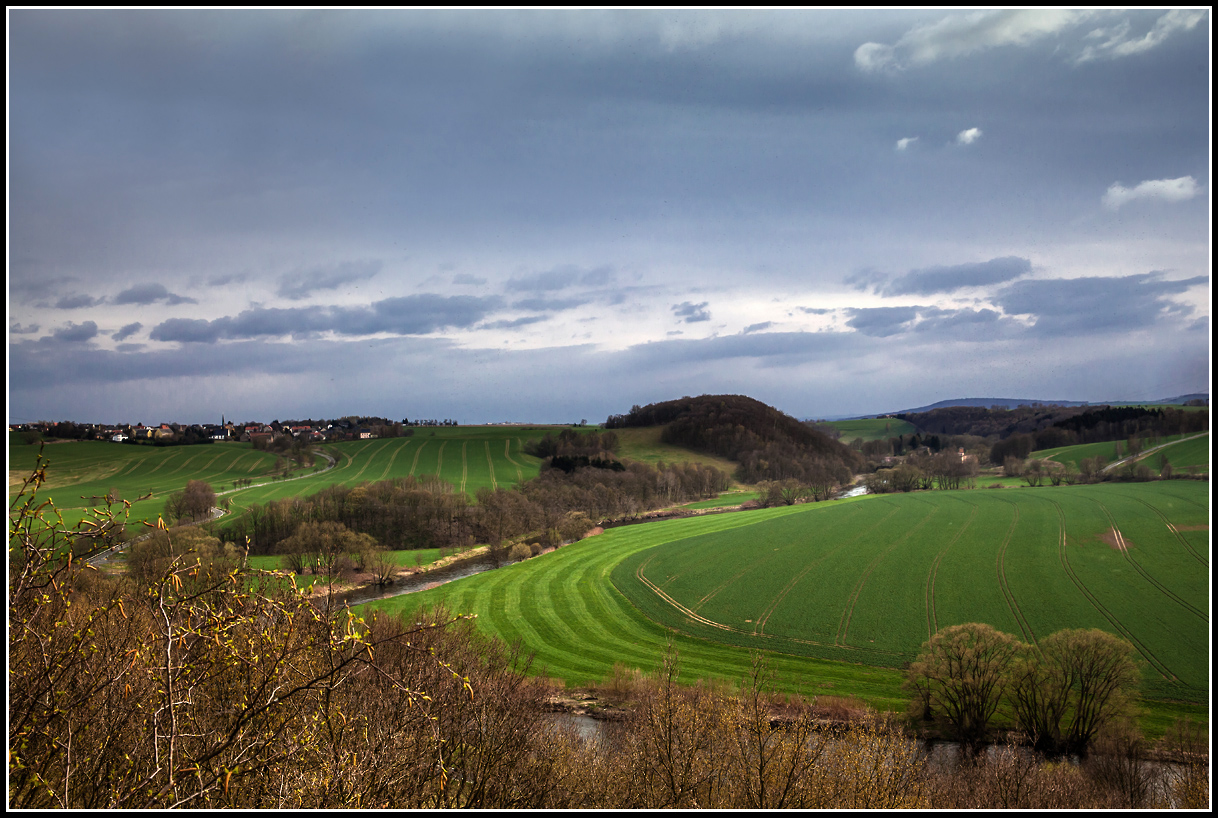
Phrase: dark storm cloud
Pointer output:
(1085, 306)
(560, 278)
(78, 301)
(514, 323)
(75, 333)
(302, 284)
(144, 294)
(549, 304)
(127, 331)
(406, 315)
(946, 279)
(226, 279)
(690, 312)
(864, 280)
(789, 347)
(881, 322)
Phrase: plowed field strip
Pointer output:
(1099, 607)
(1163, 589)
(764, 619)
(932, 617)
(490, 464)
(1005, 587)
(843, 627)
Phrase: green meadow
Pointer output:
(871, 428)
(643, 444)
(843, 593)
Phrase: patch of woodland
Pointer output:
(768, 444)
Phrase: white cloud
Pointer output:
(905, 142)
(1167, 190)
(1117, 42)
(960, 35)
(968, 137)
(874, 56)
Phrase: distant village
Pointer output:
(171, 434)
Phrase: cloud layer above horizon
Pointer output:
(554, 215)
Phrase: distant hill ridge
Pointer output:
(1014, 403)
(767, 443)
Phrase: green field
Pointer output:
(468, 457)
(1183, 455)
(725, 500)
(871, 428)
(1182, 450)
(844, 593)
(643, 444)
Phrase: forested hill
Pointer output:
(768, 444)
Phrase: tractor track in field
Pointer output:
(932, 615)
(161, 465)
(843, 628)
(1183, 542)
(368, 463)
(491, 465)
(389, 465)
(1007, 594)
(764, 619)
(186, 463)
(702, 620)
(507, 446)
(1163, 589)
(464, 465)
(1063, 555)
(415, 463)
(440, 459)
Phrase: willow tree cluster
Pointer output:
(1059, 692)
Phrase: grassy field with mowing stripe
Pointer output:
(844, 593)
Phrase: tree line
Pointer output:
(415, 513)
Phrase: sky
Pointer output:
(552, 216)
